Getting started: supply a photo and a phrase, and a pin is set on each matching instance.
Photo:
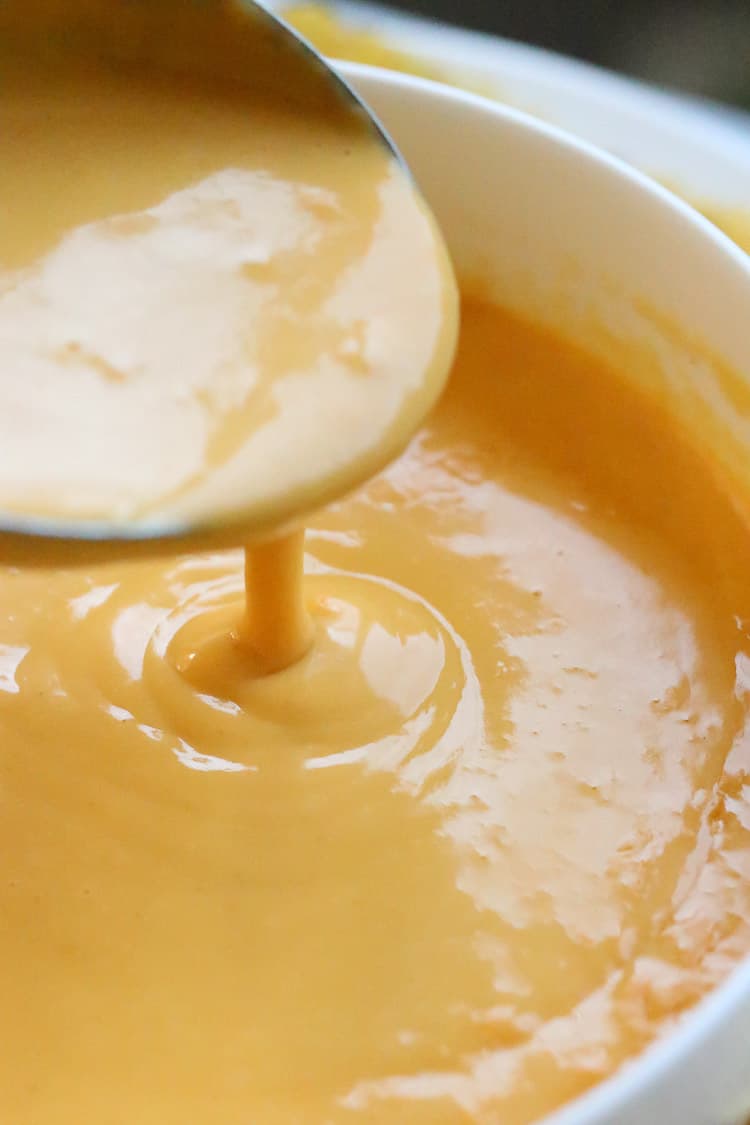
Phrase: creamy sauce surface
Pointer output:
(488, 838)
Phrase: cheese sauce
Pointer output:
(214, 311)
(478, 847)
(444, 833)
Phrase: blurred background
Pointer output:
(699, 46)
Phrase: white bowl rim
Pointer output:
(678, 1047)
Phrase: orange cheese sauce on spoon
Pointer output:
(231, 313)
(444, 833)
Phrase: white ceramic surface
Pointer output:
(699, 147)
(573, 237)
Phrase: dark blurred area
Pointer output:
(699, 46)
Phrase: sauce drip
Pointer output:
(276, 627)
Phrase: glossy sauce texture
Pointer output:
(480, 846)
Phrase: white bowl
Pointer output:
(579, 241)
(699, 147)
